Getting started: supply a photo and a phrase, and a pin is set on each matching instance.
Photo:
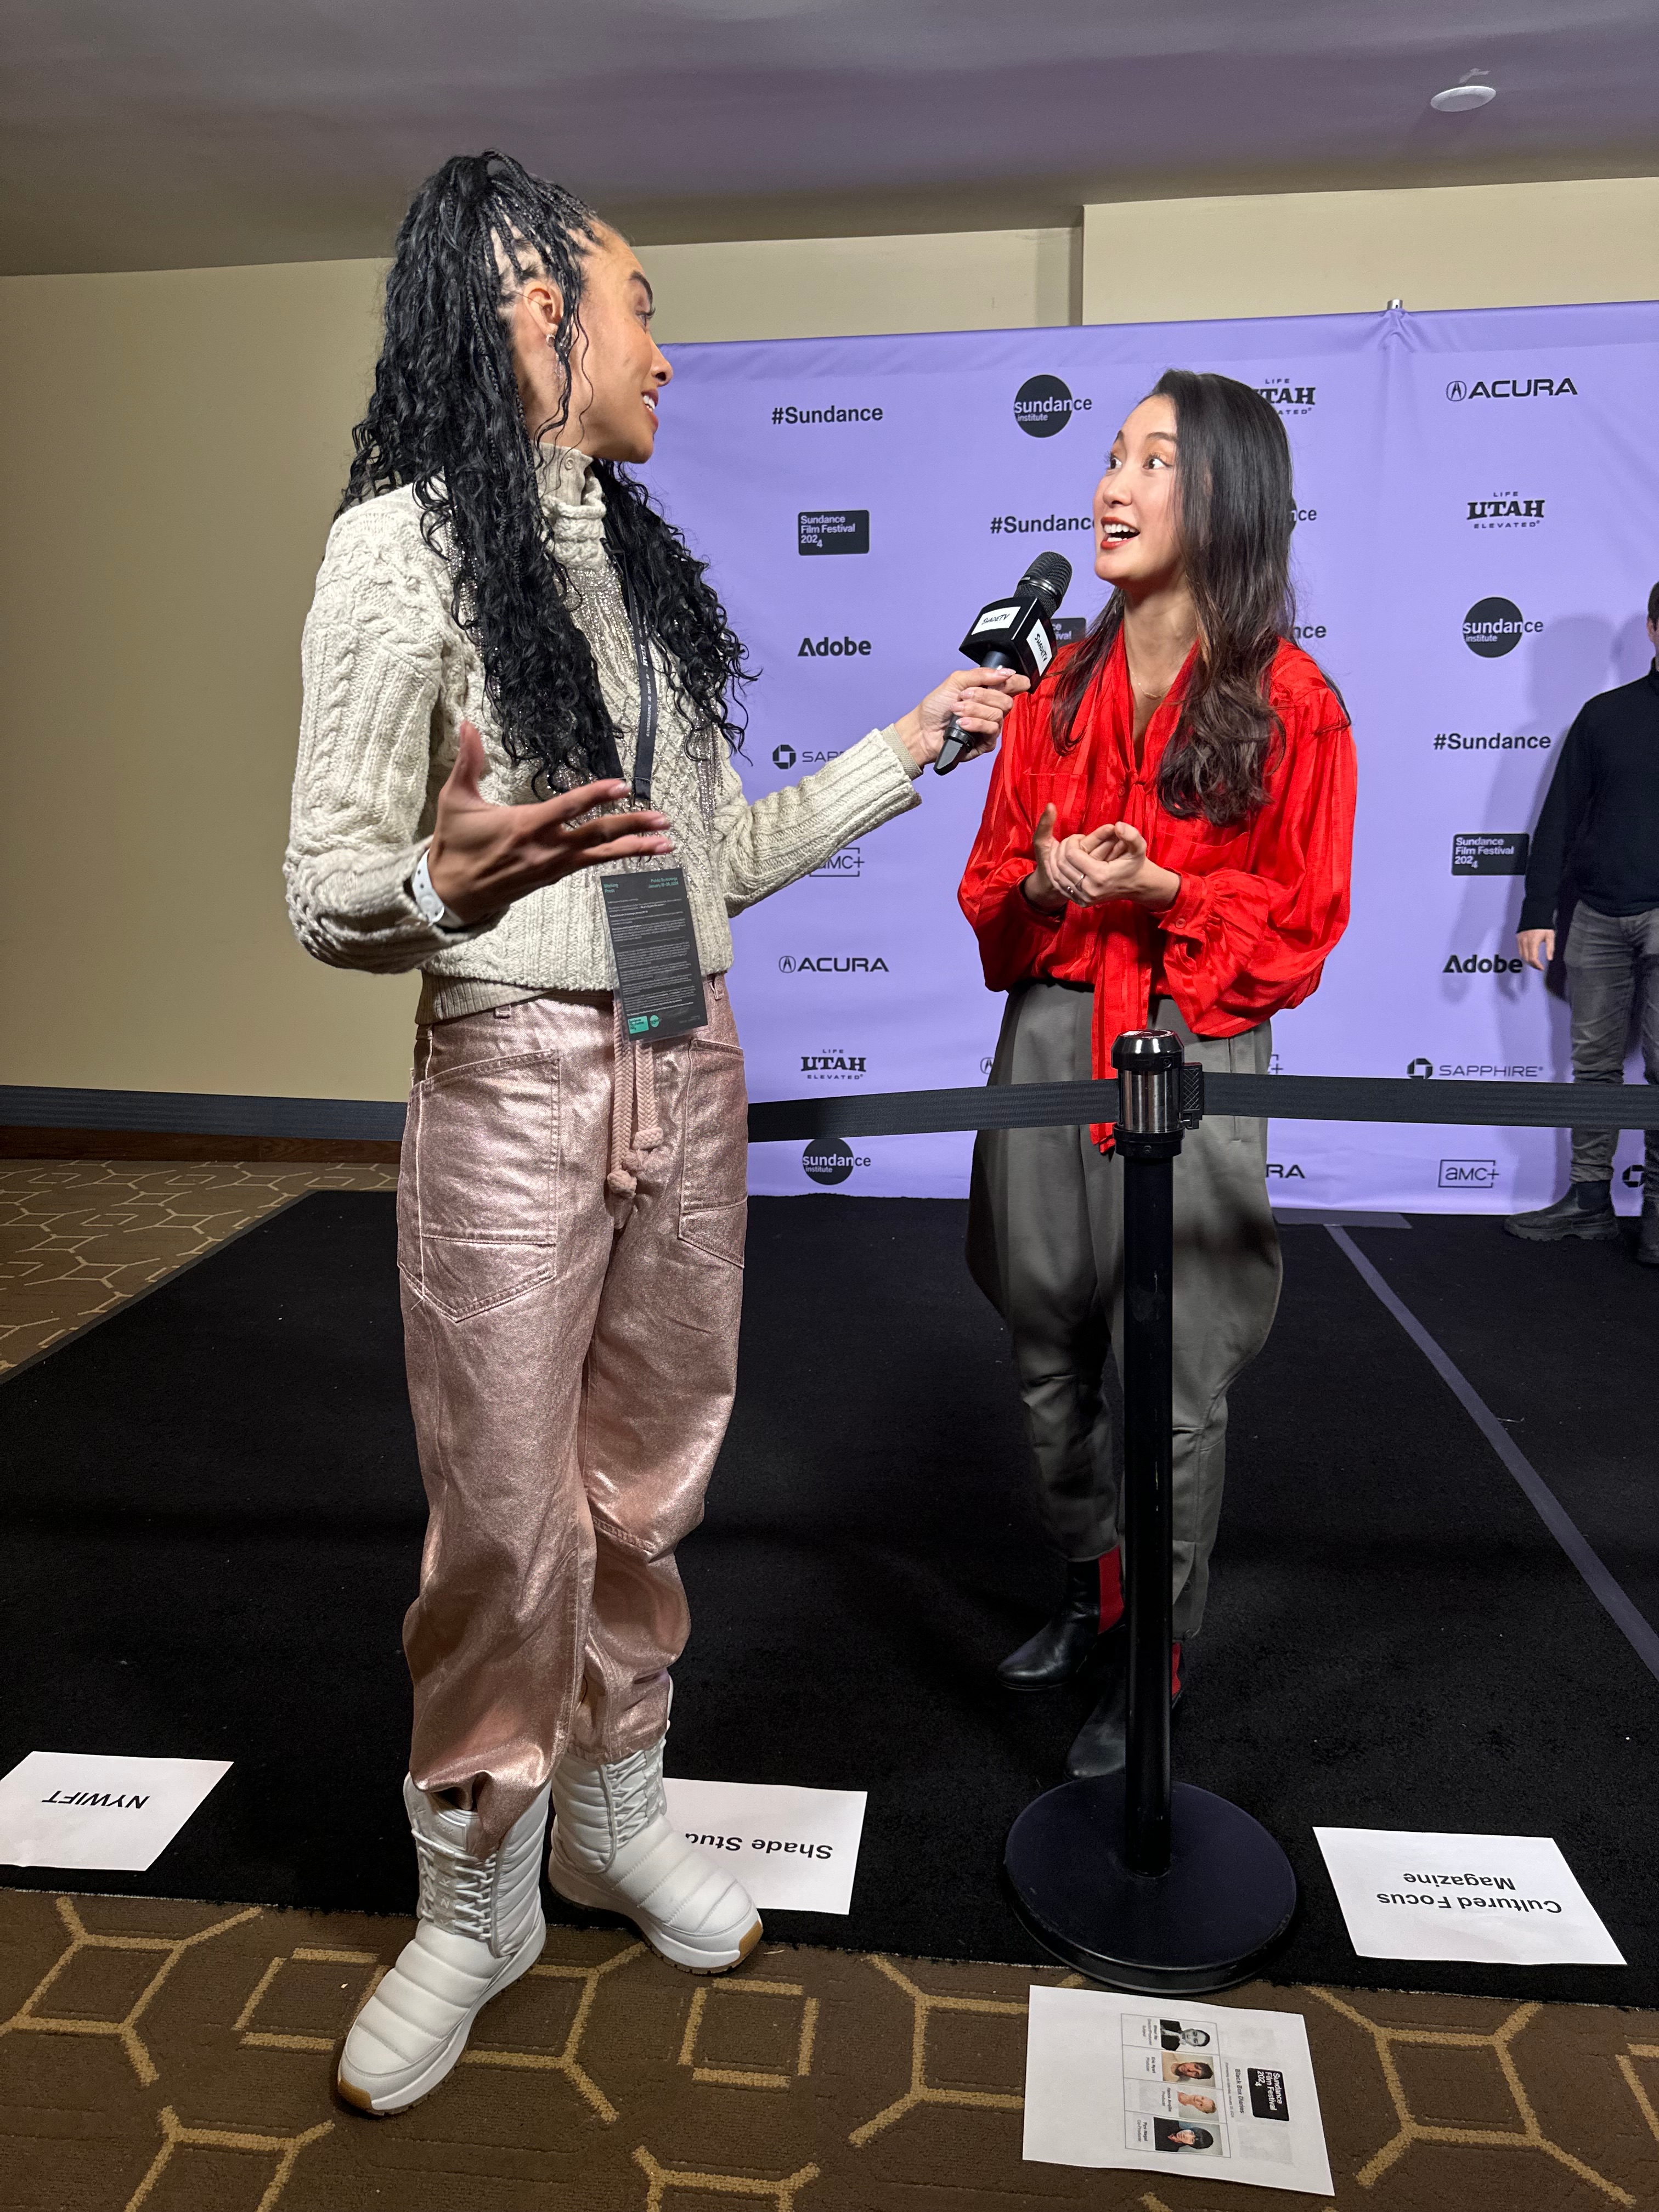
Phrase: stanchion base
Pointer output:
(1209, 1923)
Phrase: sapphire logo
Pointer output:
(783, 755)
(1494, 627)
(831, 1160)
(1468, 1175)
(1043, 406)
(1514, 387)
(1422, 1068)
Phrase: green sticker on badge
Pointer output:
(639, 1022)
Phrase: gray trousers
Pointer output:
(1045, 1244)
(1612, 965)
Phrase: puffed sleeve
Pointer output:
(1241, 944)
(1013, 935)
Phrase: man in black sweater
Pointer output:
(1600, 826)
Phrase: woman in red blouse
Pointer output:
(1165, 841)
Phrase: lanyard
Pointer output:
(645, 750)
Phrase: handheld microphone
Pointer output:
(1017, 632)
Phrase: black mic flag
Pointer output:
(1017, 632)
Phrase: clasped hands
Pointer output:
(1089, 867)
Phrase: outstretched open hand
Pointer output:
(482, 857)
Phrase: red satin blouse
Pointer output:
(1261, 902)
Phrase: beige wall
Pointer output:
(1327, 253)
(176, 443)
(808, 287)
(174, 446)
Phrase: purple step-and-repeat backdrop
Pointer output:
(1478, 527)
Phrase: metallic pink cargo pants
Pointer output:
(570, 1227)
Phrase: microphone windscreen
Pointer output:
(1049, 574)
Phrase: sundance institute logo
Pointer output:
(1494, 627)
(1043, 406)
(831, 1160)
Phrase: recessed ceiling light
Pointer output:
(1458, 99)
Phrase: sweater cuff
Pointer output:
(907, 760)
(1537, 914)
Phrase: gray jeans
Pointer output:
(1045, 1244)
(1613, 964)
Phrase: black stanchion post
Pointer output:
(1140, 1883)
(1148, 1136)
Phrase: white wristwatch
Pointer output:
(425, 897)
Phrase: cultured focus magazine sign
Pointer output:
(1476, 497)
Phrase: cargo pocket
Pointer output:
(714, 1150)
(478, 1218)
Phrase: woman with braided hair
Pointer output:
(506, 638)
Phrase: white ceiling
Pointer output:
(171, 133)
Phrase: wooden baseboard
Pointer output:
(25, 1144)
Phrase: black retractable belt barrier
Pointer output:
(1280, 1097)
(1138, 1881)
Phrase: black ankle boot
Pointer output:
(1101, 1746)
(1060, 1647)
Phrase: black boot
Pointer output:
(1585, 1211)
(1647, 1242)
(1101, 1743)
(1060, 1647)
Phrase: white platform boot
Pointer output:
(481, 1927)
(615, 1850)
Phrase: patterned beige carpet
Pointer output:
(79, 1237)
(176, 2057)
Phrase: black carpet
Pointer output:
(213, 1516)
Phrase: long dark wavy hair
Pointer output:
(1236, 516)
(446, 418)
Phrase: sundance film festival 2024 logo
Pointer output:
(1496, 626)
(1043, 406)
(833, 530)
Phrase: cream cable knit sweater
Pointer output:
(389, 677)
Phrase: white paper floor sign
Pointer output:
(1511, 1901)
(70, 1808)
(797, 1850)
(1157, 2084)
